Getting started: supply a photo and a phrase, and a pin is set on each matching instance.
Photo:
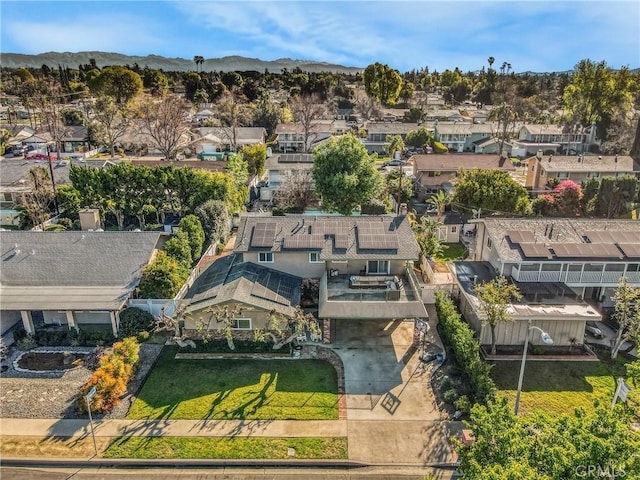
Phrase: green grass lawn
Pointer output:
(560, 387)
(238, 389)
(225, 447)
(452, 251)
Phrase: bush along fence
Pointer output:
(466, 348)
(115, 371)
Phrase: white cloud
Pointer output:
(108, 33)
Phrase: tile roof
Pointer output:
(548, 231)
(335, 237)
(588, 163)
(229, 279)
(452, 162)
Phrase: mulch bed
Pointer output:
(41, 361)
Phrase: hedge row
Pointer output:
(111, 377)
(466, 348)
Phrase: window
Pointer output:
(489, 243)
(241, 323)
(561, 175)
(593, 174)
(378, 266)
(542, 172)
(314, 257)
(265, 257)
(454, 229)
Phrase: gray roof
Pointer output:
(289, 161)
(71, 259)
(588, 163)
(464, 128)
(390, 128)
(14, 170)
(56, 298)
(549, 231)
(383, 237)
(243, 134)
(229, 279)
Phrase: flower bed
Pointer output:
(50, 361)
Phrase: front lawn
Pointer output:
(560, 387)
(227, 447)
(238, 389)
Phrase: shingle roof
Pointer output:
(390, 127)
(537, 129)
(335, 237)
(13, 170)
(588, 163)
(549, 231)
(464, 128)
(66, 259)
(228, 279)
(255, 134)
(452, 162)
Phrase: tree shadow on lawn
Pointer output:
(553, 376)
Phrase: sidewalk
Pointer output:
(173, 428)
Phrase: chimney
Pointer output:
(403, 209)
(539, 154)
(550, 157)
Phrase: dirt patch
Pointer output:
(46, 361)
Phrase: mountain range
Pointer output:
(224, 64)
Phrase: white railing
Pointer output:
(528, 276)
(549, 276)
(591, 277)
(611, 277)
(573, 277)
(633, 277)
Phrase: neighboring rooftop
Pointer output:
(550, 238)
(588, 163)
(453, 162)
(335, 237)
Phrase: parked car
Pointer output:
(35, 156)
(394, 163)
(593, 330)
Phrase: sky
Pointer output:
(532, 35)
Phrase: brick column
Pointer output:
(326, 331)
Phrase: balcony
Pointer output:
(339, 298)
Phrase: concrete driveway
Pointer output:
(391, 411)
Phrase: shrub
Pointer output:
(466, 348)
(95, 338)
(153, 227)
(439, 148)
(134, 320)
(450, 396)
(143, 336)
(111, 377)
(67, 223)
(463, 404)
(26, 343)
(52, 338)
(374, 207)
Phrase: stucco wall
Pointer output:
(8, 318)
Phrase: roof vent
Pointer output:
(33, 252)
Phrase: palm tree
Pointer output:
(199, 60)
(508, 68)
(439, 201)
(503, 67)
(490, 60)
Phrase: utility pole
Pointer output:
(398, 197)
(53, 181)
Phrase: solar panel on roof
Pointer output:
(263, 234)
(535, 250)
(600, 236)
(631, 250)
(585, 250)
(521, 237)
(303, 241)
(627, 237)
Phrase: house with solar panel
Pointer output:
(567, 270)
(363, 265)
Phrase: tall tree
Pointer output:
(255, 156)
(419, 138)
(490, 190)
(162, 278)
(118, 82)
(307, 110)
(382, 83)
(396, 144)
(596, 91)
(195, 234)
(165, 122)
(626, 312)
(494, 297)
(36, 204)
(283, 330)
(215, 219)
(345, 175)
(233, 112)
(110, 122)
(198, 60)
(295, 193)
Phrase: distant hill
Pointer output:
(224, 64)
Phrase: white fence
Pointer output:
(155, 306)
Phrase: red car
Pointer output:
(35, 156)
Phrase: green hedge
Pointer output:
(242, 346)
(466, 348)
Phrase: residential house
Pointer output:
(589, 256)
(377, 133)
(543, 169)
(552, 138)
(466, 137)
(290, 136)
(364, 266)
(446, 115)
(553, 307)
(204, 115)
(228, 139)
(278, 166)
(70, 279)
(436, 172)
